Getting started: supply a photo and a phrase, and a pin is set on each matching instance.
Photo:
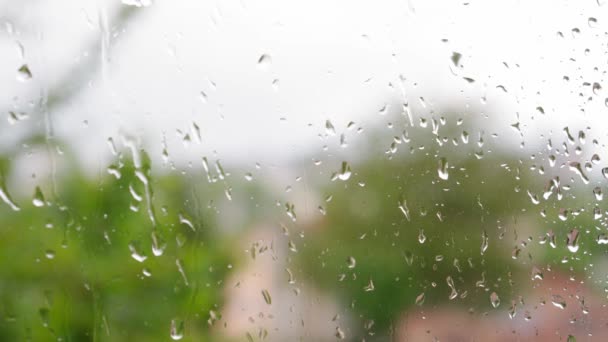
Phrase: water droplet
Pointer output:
(455, 62)
(186, 221)
(572, 241)
(484, 242)
(351, 262)
(23, 73)
(203, 96)
(290, 210)
(421, 236)
(264, 62)
(450, 283)
(597, 192)
(558, 301)
(576, 167)
(602, 239)
(14, 117)
(442, 170)
(592, 22)
(137, 3)
(537, 273)
(38, 200)
(267, 297)
(345, 171)
(114, 171)
(339, 334)
(135, 253)
(45, 314)
(50, 254)
(329, 128)
(158, 245)
(494, 300)
(177, 329)
(370, 286)
(420, 299)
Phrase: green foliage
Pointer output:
(409, 230)
(67, 270)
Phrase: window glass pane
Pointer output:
(262, 170)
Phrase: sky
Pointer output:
(273, 73)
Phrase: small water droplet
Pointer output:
(45, 314)
(267, 297)
(291, 211)
(537, 273)
(558, 301)
(442, 169)
(572, 240)
(576, 167)
(592, 22)
(329, 128)
(597, 192)
(345, 171)
(450, 283)
(38, 200)
(484, 242)
(177, 329)
(421, 236)
(50, 254)
(137, 3)
(351, 262)
(339, 334)
(135, 253)
(404, 209)
(420, 299)
(23, 73)
(494, 300)
(264, 62)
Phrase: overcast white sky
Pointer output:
(332, 60)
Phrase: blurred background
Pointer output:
(343, 170)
